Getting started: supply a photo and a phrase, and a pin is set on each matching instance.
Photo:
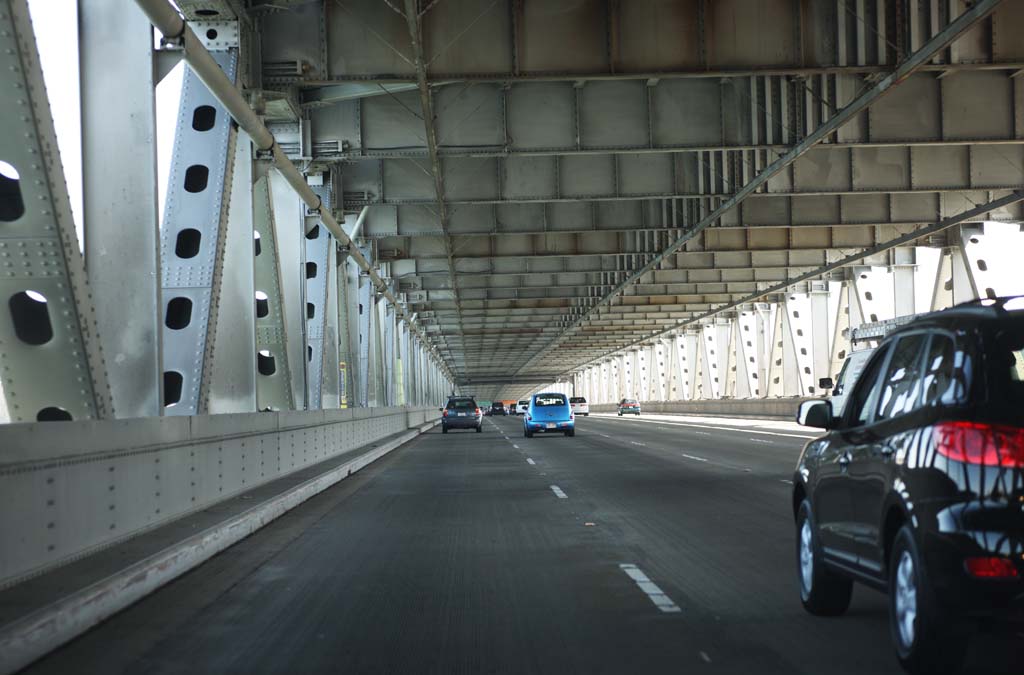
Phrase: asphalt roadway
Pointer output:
(638, 546)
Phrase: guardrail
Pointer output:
(72, 488)
(769, 408)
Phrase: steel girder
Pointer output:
(52, 361)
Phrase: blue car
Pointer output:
(549, 413)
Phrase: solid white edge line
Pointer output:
(705, 426)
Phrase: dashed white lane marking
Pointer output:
(515, 446)
(702, 433)
(787, 482)
(636, 443)
(761, 440)
(558, 492)
(657, 596)
(605, 435)
(696, 459)
(530, 461)
(704, 657)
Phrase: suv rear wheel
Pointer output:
(822, 591)
(923, 638)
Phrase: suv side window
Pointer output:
(901, 388)
(865, 392)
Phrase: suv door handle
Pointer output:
(844, 460)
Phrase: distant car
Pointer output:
(580, 405)
(498, 408)
(461, 413)
(549, 413)
(522, 407)
(917, 488)
(629, 406)
(848, 375)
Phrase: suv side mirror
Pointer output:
(825, 383)
(815, 414)
(440, 409)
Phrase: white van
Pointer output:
(847, 377)
(522, 407)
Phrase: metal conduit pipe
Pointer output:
(173, 27)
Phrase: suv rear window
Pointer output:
(577, 399)
(461, 404)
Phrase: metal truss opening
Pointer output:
(31, 317)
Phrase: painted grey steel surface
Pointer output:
(51, 358)
(318, 242)
(119, 188)
(230, 385)
(273, 379)
(192, 236)
(332, 347)
(289, 222)
(80, 486)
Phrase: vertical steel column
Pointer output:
(331, 392)
(692, 364)
(52, 362)
(365, 308)
(840, 333)
(388, 360)
(290, 224)
(273, 379)
(642, 373)
(903, 275)
(777, 354)
(229, 384)
(318, 242)
(119, 181)
(747, 355)
(732, 354)
(192, 236)
(792, 382)
(800, 338)
(821, 335)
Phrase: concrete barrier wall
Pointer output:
(70, 488)
(769, 408)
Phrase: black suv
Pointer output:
(462, 412)
(918, 488)
(498, 408)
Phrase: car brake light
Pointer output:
(478, 411)
(992, 567)
(529, 417)
(445, 413)
(979, 443)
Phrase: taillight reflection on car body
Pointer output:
(979, 443)
(991, 567)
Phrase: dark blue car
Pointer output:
(549, 413)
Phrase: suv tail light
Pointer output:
(979, 443)
(478, 412)
(992, 567)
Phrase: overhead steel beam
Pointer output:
(174, 28)
(903, 240)
(604, 76)
(914, 62)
